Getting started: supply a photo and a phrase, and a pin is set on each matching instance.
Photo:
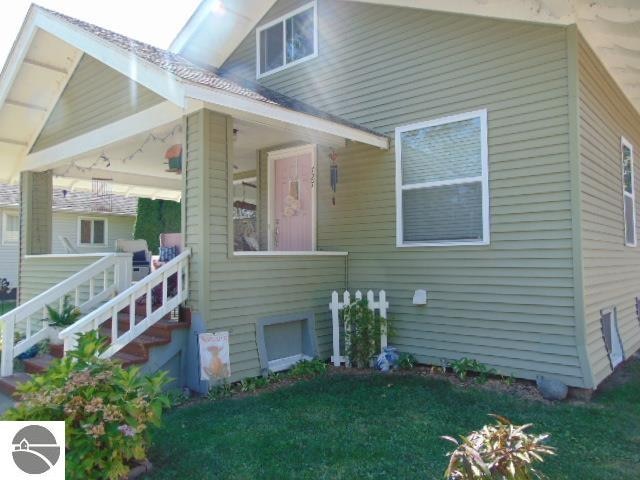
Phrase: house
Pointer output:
(87, 222)
(482, 153)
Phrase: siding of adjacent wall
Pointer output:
(96, 95)
(611, 269)
(41, 273)
(234, 293)
(64, 224)
(510, 304)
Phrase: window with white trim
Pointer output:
(287, 41)
(92, 231)
(10, 228)
(442, 182)
(628, 194)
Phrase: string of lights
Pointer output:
(104, 160)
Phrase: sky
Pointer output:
(152, 21)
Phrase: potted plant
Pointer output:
(61, 319)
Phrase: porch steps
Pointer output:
(135, 353)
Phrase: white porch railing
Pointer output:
(179, 266)
(336, 305)
(87, 288)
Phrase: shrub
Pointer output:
(308, 368)
(407, 361)
(106, 408)
(464, 366)
(498, 452)
(67, 315)
(364, 328)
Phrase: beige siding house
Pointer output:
(485, 158)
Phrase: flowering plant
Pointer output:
(107, 409)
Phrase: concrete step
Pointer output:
(142, 343)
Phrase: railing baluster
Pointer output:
(114, 325)
(149, 303)
(77, 295)
(132, 312)
(92, 287)
(179, 277)
(105, 276)
(28, 328)
(164, 289)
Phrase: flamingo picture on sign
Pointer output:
(214, 356)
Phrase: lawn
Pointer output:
(380, 427)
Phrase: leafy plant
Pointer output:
(308, 368)
(107, 409)
(407, 361)
(363, 327)
(498, 452)
(67, 315)
(508, 380)
(464, 366)
(220, 391)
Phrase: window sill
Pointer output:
(317, 253)
(443, 244)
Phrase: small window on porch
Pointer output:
(92, 231)
(10, 228)
(629, 194)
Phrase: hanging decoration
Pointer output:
(101, 194)
(334, 174)
(105, 161)
(173, 155)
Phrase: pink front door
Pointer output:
(293, 203)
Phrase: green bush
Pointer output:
(107, 409)
(407, 361)
(498, 452)
(156, 217)
(364, 327)
(464, 366)
(308, 368)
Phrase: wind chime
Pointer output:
(333, 169)
(101, 194)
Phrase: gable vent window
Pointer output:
(287, 41)
(629, 194)
(442, 182)
(610, 336)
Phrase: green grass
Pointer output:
(6, 307)
(380, 427)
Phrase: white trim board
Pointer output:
(483, 179)
(624, 143)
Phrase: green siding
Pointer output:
(95, 96)
(611, 269)
(233, 293)
(510, 304)
(39, 273)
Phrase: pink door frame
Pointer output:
(272, 157)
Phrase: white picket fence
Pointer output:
(336, 305)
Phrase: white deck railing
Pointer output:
(179, 266)
(87, 288)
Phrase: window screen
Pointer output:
(11, 228)
(443, 181)
(98, 231)
(288, 40)
(85, 231)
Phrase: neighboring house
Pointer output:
(486, 160)
(90, 225)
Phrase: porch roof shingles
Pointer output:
(207, 77)
(73, 202)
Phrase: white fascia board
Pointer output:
(231, 103)
(550, 12)
(140, 122)
(145, 73)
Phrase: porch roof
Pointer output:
(47, 52)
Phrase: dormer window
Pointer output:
(287, 41)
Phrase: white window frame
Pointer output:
(283, 19)
(93, 220)
(5, 222)
(483, 178)
(625, 143)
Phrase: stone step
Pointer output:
(39, 363)
(141, 344)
